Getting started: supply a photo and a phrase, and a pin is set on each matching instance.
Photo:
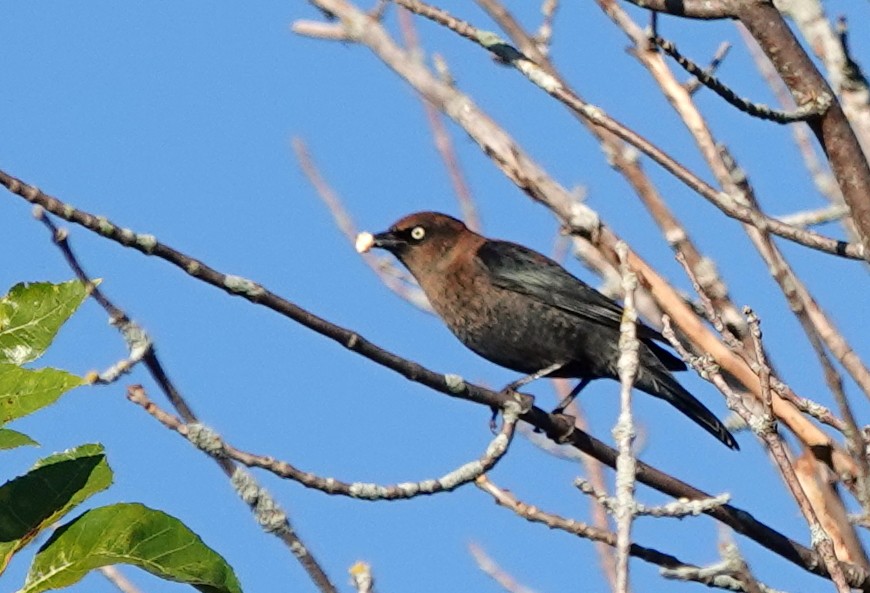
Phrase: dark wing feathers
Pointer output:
(517, 268)
(514, 267)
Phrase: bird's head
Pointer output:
(419, 240)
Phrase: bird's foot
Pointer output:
(493, 425)
(564, 428)
(525, 400)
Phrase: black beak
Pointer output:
(389, 241)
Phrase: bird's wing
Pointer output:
(517, 268)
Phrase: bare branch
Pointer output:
(803, 113)
(443, 143)
(809, 218)
(210, 442)
(764, 426)
(694, 84)
(547, 82)
(766, 24)
(117, 578)
(394, 277)
(553, 521)
(623, 432)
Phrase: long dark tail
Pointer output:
(661, 384)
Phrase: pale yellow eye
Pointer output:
(417, 233)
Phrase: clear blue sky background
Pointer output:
(175, 118)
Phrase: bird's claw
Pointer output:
(564, 424)
(525, 400)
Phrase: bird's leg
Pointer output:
(524, 381)
(533, 377)
(570, 397)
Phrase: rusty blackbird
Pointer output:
(522, 310)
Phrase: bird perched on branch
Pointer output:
(522, 310)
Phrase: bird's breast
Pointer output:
(510, 329)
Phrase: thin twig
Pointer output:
(210, 442)
(809, 218)
(694, 84)
(496, 572)
(550, 84)
(731, 555)
(812, 317)
(711, 313)
(820, 174)
(394, 277)
(117, 578)
(595, 477)
(623, 432)
(534, 514)
(138, 343)
(811, 109)
(763, 425)
(731, 569)
(544, 36)
(677, 509)
(443, 142)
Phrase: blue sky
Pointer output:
(177, 121)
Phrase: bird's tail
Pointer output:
(661, 384)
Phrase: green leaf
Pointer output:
(53, 487)
(31, 315)
(23, 391)
(129, 534)
(10, 439)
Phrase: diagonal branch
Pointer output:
(766, 24)
(547, 82)
(281, 528)
(557, 427)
